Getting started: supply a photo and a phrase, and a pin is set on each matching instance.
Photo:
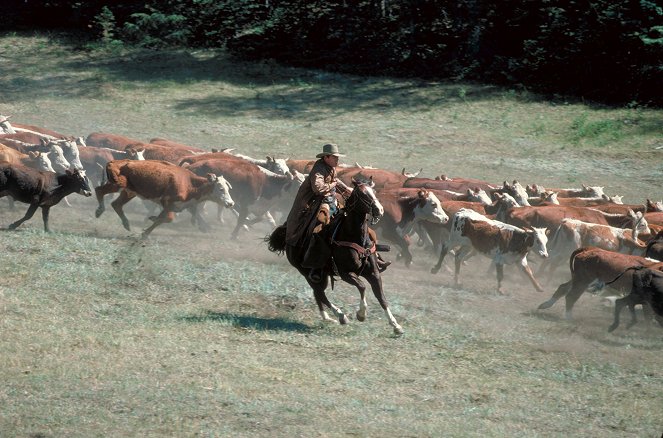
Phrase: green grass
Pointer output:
(192, 334)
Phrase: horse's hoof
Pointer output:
(98, 212)
(398, 330)
(361, 317)
(434, 270)
(343, 319)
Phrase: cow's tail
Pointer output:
(276, 240)
(572, 259)
(625, 271)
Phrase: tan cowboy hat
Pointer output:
(330, 149)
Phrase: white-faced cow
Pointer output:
(503, 243)
(403, 209)
(39, 188)
(174, 187)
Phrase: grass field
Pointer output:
(192, 334)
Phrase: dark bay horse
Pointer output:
(352, 250)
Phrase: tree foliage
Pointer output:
(606, 50)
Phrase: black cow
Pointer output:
(40, 188)
(654, 249)
(647, 289)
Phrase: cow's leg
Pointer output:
(117, 205)
(460, 256)
(499, 269)
(197, 218)
(402, 241)
(166, 216)
(619, 304)
(631, 301)
(577, 289)
(443, 252)
(375, 280)
(241, 221)
(561, 291)
(28, 214)
(528, 271)
(353, 279)
(102, 191)
(44, 215)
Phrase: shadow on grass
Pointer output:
(250, 322)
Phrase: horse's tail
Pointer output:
(276, 240)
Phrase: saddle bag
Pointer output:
(317, 253)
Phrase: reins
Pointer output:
(362, 252)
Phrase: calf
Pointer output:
(646, 289)
(174, 187)
(503, 243)
(39, 188)
(591, 265)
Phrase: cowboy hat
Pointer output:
(329, 149)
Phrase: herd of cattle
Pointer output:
(605, 242)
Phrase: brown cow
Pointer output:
(174, 144)
(503, 243)
(94, 160)
(551, 216)
(573, 234)
(40, 189)
(589, 265)
(35, 160)
(403, 208)
(158, 152)
(536, 190)
(174, 187)
(251, 183)
(453, 184)
(111, 141)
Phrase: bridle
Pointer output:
(366, 204)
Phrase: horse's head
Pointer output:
(364, 200)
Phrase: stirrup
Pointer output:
(382, 247)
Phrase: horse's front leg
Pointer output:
(353, 279)
(375, 280)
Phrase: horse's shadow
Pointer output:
(250, 322)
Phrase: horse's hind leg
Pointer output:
(322, 301)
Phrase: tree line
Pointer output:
(608, 51)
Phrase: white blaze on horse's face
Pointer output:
(377, 208)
